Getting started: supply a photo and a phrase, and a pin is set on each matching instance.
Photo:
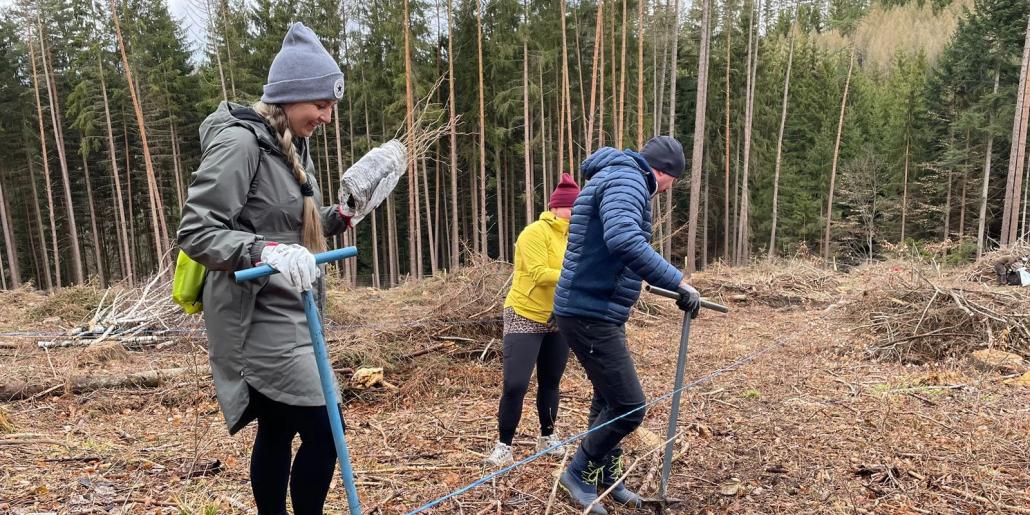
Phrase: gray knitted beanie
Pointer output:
(302, 71)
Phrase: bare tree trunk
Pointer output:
(455, 237)
(640, 74)
(544, 141)
(600, 86)
(482, 128)
(743, 228)
(704, 230)
(228, 48)
(414, 230)
(46, 169)
(1026, 192)
(619, 132)
(836, 156)
(615, 85)
(39, 225)
(982, 224)
(726, 183)
(947, 209)
(579, 70)
(179, 188)
(123, 235)
(218, 58)
(97, 238)
(1018, 150)
(659, 109)
(565, 84)
(526, 122)
(502, 247)
(433, 266)
(37, 268)
(156, 208)
(962, 204)
(598, 23)
(699, 140)
(55, 118)
(9, 243)
(135, 243)
(779, 143)
(669, 212)
(904, 194)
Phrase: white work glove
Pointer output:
(294, 262)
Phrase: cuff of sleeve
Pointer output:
(255, 251)
(346, 219)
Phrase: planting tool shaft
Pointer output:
(325, 369)
(681, 362)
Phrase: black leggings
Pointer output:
(313, 466)
(549, 353)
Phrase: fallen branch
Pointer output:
(983, 500)
(428, 350)
(18, 390)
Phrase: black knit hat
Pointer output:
(665, 154)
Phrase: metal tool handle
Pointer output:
(675, 296)
(321, 257)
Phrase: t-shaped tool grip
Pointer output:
(675, 296)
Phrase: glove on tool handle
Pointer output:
(675, 296)
(322, 257)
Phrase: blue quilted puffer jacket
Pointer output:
(609, 249)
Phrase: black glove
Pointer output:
(689, 301)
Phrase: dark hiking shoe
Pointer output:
(612, 472)
(580, 480)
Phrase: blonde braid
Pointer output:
(312, 236)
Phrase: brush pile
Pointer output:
(135, 317)
(776, 283)
(457, 313)
(916, 315)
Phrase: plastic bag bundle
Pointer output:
(370, 180)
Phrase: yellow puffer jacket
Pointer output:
(538, 258)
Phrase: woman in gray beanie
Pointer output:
(254, 200)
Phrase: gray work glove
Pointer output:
(690, 299)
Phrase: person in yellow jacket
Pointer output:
(530, 336)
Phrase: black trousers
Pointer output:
(522, 351)
(601, 349)
(270, 461)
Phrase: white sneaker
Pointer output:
(500, 457)
(546, 442)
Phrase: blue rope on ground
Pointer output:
(703, 379)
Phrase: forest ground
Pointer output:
(811, 425)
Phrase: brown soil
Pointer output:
(809, 426)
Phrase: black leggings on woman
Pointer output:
(270, 470)
(522, 351)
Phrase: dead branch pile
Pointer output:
(455, 313)
(135, 317)
(982, 270)
(916, 316)
(777, 283)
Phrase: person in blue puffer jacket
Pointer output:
(609, 254)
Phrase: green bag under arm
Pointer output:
(188, 283)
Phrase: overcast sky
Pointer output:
(189, 19)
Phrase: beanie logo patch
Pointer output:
(338, 88)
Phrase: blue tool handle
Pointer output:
(325, 375)
(321, 257)
(675, 296)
